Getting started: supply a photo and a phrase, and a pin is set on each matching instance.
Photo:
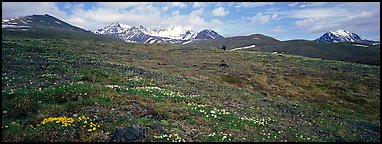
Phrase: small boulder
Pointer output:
(129, 134)
(223, 47)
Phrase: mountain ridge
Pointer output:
(171, 34)
(344, 36)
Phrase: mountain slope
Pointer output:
(47, 26)
(344, 36)
(38, 21)
(143, 35)
(343, 51)
(238, 41)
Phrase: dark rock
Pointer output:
(223, 64)
(158, 127)
(79, 98)
(129, 134)
(223, 47)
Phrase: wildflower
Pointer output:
(224, 137)
(89, 130)
(6, 126)
(94, 129)
(14, 123)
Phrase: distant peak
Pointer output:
(207, 30)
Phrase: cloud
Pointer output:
(216, 22)
(252, 4)
(179, 4)
(293, 4)
(15, 9)
(364, 21)
(165, 8)
(262, 18)
(197, 12)
(358, 18)
(277, 29)
(317, 13)
(311, 4)
(220, 12)
(198, 4)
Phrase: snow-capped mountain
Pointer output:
(344, 36)
(141, 34)
(31, 22)
(208, 34)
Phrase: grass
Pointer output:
(181, 93)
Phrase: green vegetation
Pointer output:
(181, 93)
(328, 51)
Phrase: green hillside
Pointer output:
(58, 33)
(330, 51)
(71, 90)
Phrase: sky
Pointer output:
(281, 20)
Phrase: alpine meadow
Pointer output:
(119, 78)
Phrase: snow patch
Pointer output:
(187, 42)
(360, 45)
(246, 47)
(23, 22)
(13, 26)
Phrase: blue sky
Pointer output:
(281, 20)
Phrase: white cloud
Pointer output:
(293, 4)
(355, 17)
(179, 4)
(277, 29)
(15, 9)
(216, 22)
(220, 11)
(165, 8)
(198, 4)
(317, 13)
(197, 12)
(122, 5)
(311, 4)
(252, 4)
(260, 18)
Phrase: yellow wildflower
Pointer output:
(94, 128)
(89, 130)
(6, 126)
(14, 123)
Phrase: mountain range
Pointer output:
(171, 34)
(144, 35)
